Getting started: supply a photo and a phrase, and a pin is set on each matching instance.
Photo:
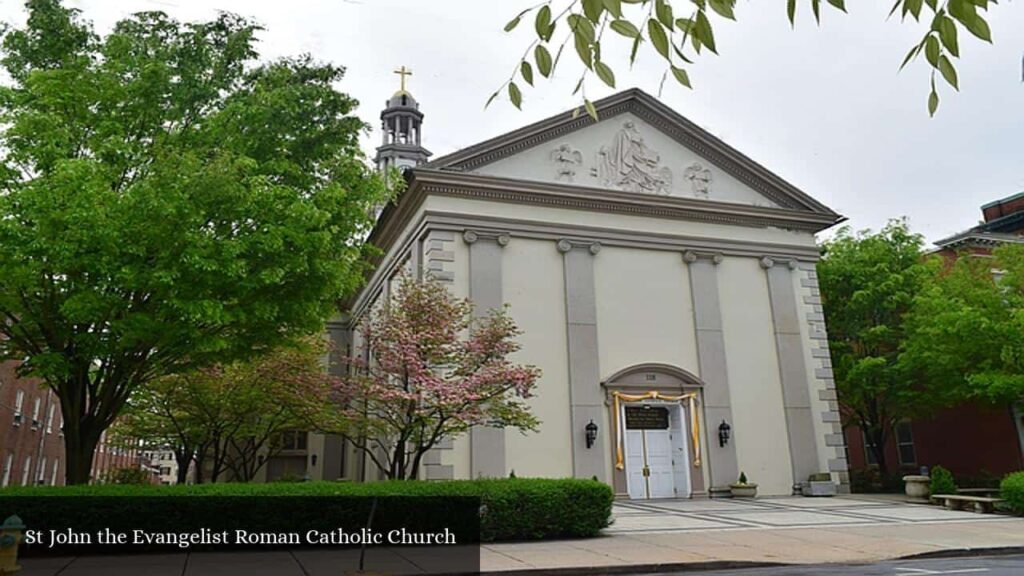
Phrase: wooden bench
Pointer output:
(981, 504)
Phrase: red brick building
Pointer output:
(31, 437)
(973, 440)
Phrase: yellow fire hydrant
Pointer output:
(10, 537)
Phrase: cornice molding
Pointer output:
(586, 198)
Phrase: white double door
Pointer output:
(657, 463)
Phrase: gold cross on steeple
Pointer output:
(403, 72)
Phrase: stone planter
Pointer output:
(743, 490)
(918, 488)
(820, 488)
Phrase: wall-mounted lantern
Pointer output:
(313, 458)
(591, 433)
(723, 433)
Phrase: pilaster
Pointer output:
(585, 395)
(487, 444)
(723, 467)
(789, 346)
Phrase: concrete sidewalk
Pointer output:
(648, 536)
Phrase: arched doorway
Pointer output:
(657, 426)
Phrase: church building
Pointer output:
(665, 285)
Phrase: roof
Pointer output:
(1003, 200)
(978, 237)
(660, 116)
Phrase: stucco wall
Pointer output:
(644, 313)
(759, 426)
(644, 310)
(534, 288)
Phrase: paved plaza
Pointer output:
(791, 530)
(653, 536)
(635, 517)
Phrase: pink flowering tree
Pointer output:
(434, 371)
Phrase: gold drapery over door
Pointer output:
(619, 397)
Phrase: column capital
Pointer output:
(565, 245)
(768, 262)
(690, 257)
(472, 237)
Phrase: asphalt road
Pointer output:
(980, 566)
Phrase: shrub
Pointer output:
(870, 481)
(509, 508)
(127, 476)
(1012, 490)
(942, 481)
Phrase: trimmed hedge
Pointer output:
(1012, 489)
(510, 508)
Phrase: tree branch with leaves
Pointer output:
(167, 202)
(679, 30)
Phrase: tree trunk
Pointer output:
(200, 459)
(183, 457)
(80, 440)
(878, 438)
(219, 453)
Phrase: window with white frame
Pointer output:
(35, 411)
(905, 443)
(8, 464)
(53, 475)
(19, 402)
(42, 471)
(24, 472)
(49, 419)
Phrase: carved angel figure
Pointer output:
(628, 164)
(566, 159)
(700, 179)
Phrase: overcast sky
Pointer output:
(823, 107)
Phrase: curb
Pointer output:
(637, 568)
(741, 564)
(965, 553)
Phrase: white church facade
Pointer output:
(664, 283)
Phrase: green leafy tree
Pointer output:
(229, 418)
(166, 202)
(967, 328)
(679, 30)
(868, 284)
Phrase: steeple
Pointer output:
(401, 122)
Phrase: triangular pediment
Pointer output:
(638, 145)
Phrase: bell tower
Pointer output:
(401, 123)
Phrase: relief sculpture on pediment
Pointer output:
(566, 159)
(700, 179)
(629, 164)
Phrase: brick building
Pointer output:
(974, 440)
(32, 439)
